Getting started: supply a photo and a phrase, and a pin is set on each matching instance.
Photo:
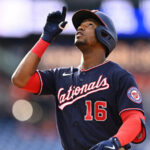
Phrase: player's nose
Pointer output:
(81, 28)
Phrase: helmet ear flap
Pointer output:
(105, 37)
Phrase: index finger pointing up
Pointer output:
(64, 9)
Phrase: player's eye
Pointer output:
(90, 24)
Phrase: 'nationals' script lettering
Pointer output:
(75, 93)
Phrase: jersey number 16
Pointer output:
(100, 113)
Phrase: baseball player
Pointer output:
(98, 104)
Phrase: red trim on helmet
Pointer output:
(100, 19)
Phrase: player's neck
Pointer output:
(92, 59)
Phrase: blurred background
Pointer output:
(27, 122)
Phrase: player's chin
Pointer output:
(79, 42)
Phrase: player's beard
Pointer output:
(80, 43)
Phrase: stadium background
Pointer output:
(28, 121)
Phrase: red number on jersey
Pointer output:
(100, 113)
(88, 115)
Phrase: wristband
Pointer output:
(40, 47)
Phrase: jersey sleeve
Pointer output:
(129, 97)
(128, 94)
(47, 79)
(128, 132)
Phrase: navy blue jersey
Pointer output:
(89, 102)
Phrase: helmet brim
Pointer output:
(83, 14)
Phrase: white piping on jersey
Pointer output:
(139, 109)
(84, 70)
(40, 81)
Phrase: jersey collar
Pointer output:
(85, 70)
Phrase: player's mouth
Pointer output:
(79, 33)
